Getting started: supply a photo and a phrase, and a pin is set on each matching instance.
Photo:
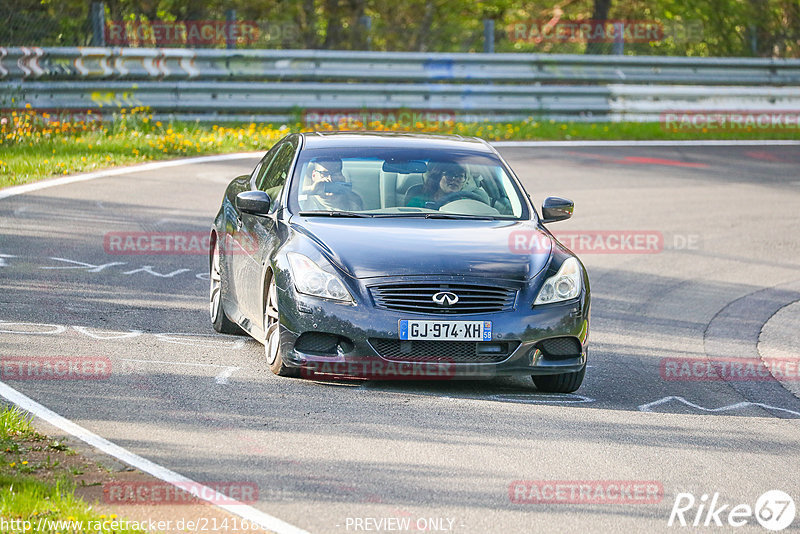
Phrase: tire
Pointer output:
(272, 327)
(562, 383)
(219, 319)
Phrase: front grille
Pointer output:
(443, 351)
(560, 347)
(418, 297)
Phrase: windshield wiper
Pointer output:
(458, 216)
(429, 215)
(334, 214)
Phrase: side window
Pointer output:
(273, 176)
(256, 170)
(263, 165)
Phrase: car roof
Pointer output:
(312, 140)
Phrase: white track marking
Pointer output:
(56, 329)
(622, 143)
(168, 362)
(244, 511)
(222, 378)
(162, 221)
(81, 265)
(28, 188)
(3, 259)
(177, 338)
(149, 270)
(537, 398)
(648, 407)
(109, 334)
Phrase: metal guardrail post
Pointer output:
(488, 36)
(365, 25)
(98, 19)
(230, 21)
(618, 46)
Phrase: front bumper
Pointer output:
(358, 326)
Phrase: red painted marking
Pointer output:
(629, 160)
(766, 156)
(594, 156)
(660, 161)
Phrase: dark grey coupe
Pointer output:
(398, 256)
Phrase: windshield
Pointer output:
(384, 182)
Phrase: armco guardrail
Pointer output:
(402, 67)
(243, 96)
(642, 103)
(274, 83)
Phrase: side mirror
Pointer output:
(556, 209)
(253, 202)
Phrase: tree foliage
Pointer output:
(765, 28)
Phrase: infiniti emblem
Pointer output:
(445, 298)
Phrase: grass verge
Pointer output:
(38, 477)
(35, 146)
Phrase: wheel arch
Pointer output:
(212, 242)
(267, 273)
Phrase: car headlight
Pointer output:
(310, 279)
(564, 285)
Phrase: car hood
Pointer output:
(369, 248)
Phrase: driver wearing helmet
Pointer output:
(443, 178)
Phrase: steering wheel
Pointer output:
(458, 195)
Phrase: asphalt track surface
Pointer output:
(725, 285)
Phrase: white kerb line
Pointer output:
(244, 511)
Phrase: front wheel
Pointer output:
(562, 383)
(272, 327)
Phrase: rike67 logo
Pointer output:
(774, 510)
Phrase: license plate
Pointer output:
(411, 329)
